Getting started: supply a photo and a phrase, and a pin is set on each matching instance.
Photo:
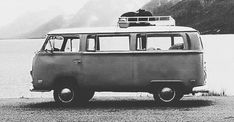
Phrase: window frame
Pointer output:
(97, 42)
(183, 35)
(62, 48)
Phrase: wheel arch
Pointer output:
(156, 85)
(178, 89)
(64, 79)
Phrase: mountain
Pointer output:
(42, 30)
(103, 12)
(27, 23)
(207, 16)
(153, 4)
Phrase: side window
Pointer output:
(113, 43)
(108, 43)
(158, 43)
(72, 45)
(177, 43)
(151, 42)
(178, 39)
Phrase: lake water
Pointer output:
(16, 59)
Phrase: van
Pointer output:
(166, 61)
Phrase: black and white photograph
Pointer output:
(117, 60)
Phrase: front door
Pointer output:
(60, 57)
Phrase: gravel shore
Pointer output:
(121, 108)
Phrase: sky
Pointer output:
(11, 9)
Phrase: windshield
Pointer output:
(61, 44)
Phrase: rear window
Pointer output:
(196, 42)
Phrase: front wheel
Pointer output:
(167, 94)
(68, 94)
(65, 94)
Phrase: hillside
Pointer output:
(207, 16)
(154, 4)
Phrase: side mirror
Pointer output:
(48, 51)
(52, 50)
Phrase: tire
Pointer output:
(167, 94)
(73, 95)
(66, 93)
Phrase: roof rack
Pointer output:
(125, 22)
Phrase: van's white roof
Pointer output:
(123, 30)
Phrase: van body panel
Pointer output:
(51, 67)
(107, 71)
(168, 67)
(125, 71)
(128, 71)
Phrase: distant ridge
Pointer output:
(207, 16)
(27, 23)
(40, 32)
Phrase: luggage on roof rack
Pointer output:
(144, 18)
(140, 12)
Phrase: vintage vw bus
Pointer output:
(166, 61)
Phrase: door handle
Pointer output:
(77, 61)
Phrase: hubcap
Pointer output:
(167, 94)
(66, 95)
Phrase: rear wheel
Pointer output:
(167, 94)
